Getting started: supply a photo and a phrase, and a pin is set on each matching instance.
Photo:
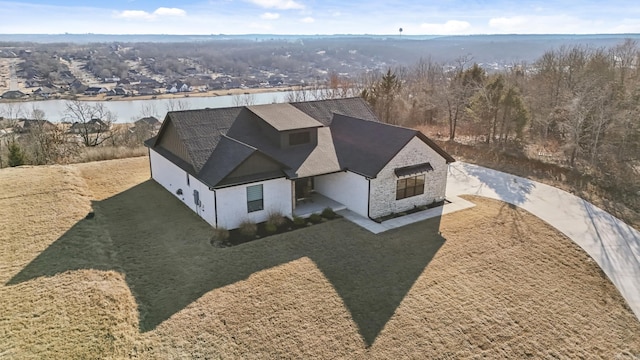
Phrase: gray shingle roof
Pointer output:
(201, 130)
(365, 147)
(284, 117)
(219, 140)
(225, 158)
(323, 110)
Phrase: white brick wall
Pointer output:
(383, 187)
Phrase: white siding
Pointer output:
(383, 187)
(172, 178)
(232, 202)
(347, 188)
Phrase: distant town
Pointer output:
(78, 69)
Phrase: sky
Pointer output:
(310, 17)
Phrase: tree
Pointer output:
(92, 122)
(382, 95)
(16, 155)
(460, 91)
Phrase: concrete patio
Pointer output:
(314, 204)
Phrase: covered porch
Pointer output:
(314, 203)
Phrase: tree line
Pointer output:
(577, 105)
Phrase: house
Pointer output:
(13, 95)
(150, 122)
(77, 87)
(90, 127)
(45, 92)
(117, 91)
(146, 91)
(95, 90)
(27, 125)
(243, 163)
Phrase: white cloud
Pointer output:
(159, 12)
(270, 16)
(278, 4)
(450, 27)
(163, 11)
(308, 20)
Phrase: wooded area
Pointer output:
(576, 107)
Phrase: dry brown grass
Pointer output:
(141, 280)
(101, 153)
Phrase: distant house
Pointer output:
(146, 91)
(237, 164)
(118, 91)
(149, 122)
(13, 95)
(114, 79)
(45, 92)
(90, 127)
(26, 125)
(77, 87)
(95, 91)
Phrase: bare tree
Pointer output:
(246, 99)
(176, 105)
(93, 123)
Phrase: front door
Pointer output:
(304, 187)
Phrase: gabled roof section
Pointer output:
(436, 148)
(323, 110)
(284, 117)
(365, 147)
(225, 158)
(201, 130)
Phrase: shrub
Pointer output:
(248, 228)
(315, 218)
(270, 228)
(220, 234)
(299, 221)
(328, 213)
(275, 218)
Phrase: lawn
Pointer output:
(141, 280)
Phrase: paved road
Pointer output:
(13, 78)
(614, 245)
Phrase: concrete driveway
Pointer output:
(614, 245)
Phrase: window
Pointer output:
(299, 138)
(409, 187)
(254, 198)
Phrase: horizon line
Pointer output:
(343, 34)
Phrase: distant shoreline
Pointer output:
(176, 96)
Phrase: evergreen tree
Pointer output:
(16, 155)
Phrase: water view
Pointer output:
(127, 111)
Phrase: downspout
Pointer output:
(369, 200)
(215, 207)
(150, 168)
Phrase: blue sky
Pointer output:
(444, 17)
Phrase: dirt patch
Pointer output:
(141, 280)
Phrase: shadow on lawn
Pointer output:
(163, 250)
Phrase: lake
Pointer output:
(128, 111)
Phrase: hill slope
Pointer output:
(141, 280)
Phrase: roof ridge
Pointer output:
(225, 136)
(376, 122)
